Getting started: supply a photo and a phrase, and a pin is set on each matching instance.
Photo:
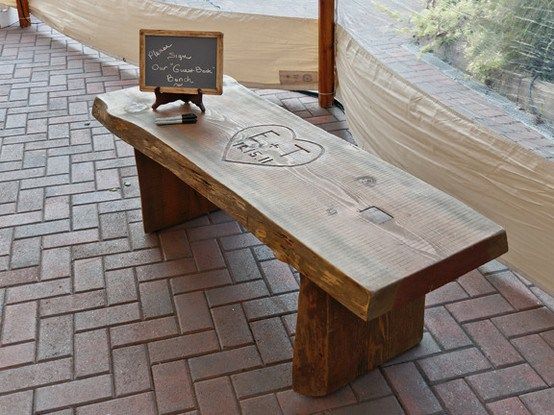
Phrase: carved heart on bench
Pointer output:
(271, 145)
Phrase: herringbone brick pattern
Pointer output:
(99, 318)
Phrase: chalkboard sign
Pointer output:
(181, 62)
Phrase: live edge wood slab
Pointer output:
(369, 239)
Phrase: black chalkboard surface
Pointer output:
(181, 62)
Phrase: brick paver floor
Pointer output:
(99, 318)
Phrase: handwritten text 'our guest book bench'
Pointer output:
(180, 65)
(368, 239)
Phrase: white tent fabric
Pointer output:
(388, 116)
(497, 177)
(257, 47)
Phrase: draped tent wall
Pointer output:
(256, 47)
(387, 115)
(509, 184)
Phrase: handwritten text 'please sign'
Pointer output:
(181, 61)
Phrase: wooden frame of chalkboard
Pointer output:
(145, 83)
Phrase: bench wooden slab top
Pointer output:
(369, 234)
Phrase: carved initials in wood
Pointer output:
(271, 145)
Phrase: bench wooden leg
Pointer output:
(333, 346)
(166, 200)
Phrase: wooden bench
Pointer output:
(368, 239)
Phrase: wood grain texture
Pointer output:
(326, 52)
(332, 346)
(323, 209)
(166, 200)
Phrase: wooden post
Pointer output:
(166, 200)
(332, 346)
(23, 12)
(326, 53)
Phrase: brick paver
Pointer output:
(98, 318)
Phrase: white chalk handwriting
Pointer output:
(157, 52)
(178, 56)
(179, 81)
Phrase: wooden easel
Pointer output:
(167, 97)
(176, 89)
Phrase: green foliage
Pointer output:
(496, 35)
